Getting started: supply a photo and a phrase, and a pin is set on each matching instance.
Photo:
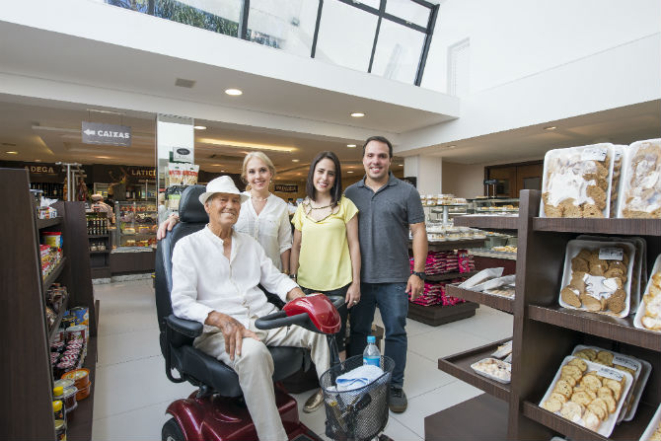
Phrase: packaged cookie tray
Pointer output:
(638, 368)
(577, 182)
(639, 195)
(650, 304)
(578, 405)
(639, 264)
(494, 369)
(607, 252)
(653, 431)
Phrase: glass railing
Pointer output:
(389, 38)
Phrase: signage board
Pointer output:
(108, 134)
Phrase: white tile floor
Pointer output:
(132, 391)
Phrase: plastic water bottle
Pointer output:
(371, 354)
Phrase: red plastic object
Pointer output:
(320, 309)
(224, 419)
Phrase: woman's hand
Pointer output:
(353, 295)
(167, 225)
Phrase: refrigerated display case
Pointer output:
(137, 223)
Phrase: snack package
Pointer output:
(648, 315)
(640, 193)
(175, 174)
(190, 172)
(577, 182)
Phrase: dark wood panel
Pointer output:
(488, 222)
(481, 418)
(45, 223)
(26, 409)
(132, 262)
(637, 227)
(455, 244)
(437, 315)
(625, 431)
(501, 303)
(458, 365)
(509, 266)
(618, 329)
(81, 428)
(448, 276)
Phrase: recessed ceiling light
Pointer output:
(350, 171)
(233, 92)
(550, 128)
(295, 160)
(200, 127)
(248, 145)
(351, 146)
(222, 171)
(357, 114)
(102, 157)
(37, 160)
(452, 146)
(401, 165)
(11, 152)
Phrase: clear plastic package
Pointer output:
(648, 315)
(640, 192)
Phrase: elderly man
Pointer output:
(215, 273)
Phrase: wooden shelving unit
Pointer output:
(544, 333)
(448, 276)
(26, 410)
(501, 303)
(481, 418)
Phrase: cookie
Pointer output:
(597, 195)
(552, 211)
(570, 295)
(605, 358)
(617, 265)
(579, 264)
(560, 397)
(591, 421)
(604, 392)
(562, 387)
(610, 403)
(593, 211)
(569, 379)
(590, 303)
(615, 386)
(572, 371)
(590, 393)
(572, 211)
(598, 409)
(588, 354)
(581, 397)
(577, 281)
(552, 405)
(571, 411)
(584, 254)
(581, 364)
(617, 301)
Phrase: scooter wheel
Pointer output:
(171, 431)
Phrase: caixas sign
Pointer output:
(97, 133)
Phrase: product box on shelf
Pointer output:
(576, 182)
(653, 431)
(640, 192)
(597, 277)
(648, 315)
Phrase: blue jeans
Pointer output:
(393, 303)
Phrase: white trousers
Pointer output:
(255, 369)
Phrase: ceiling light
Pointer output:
(550, 128)
(233, 92)
(37, 160)
(452, 146)
(357, 114)
(401, 165)
(222, 171)
(245, 145)
(102, 157)
(350, 171)
(11, 152)
(200, 127)
(295, 160)
(351, 146)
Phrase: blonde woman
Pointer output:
(263, 216)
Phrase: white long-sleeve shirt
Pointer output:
(271, 228)
(203, 280)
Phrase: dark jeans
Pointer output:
(393, 303)
(341, 292)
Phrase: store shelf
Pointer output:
(488, 222)
(456, 244)
(481, 418)
(458, 365)
(139, 234)
(448, 276)
(617, 329)
(504, 304)
(437, 315)
(45, 223)
(100, 252)
(631, 430)
(58, 320)
(637, 227)
(98, 236)
(81, 427)
(52, 277)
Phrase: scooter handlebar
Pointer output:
(280, 319)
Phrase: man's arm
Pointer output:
(415, 285)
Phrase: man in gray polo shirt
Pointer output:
(388, 207)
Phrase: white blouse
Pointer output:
(271, 228)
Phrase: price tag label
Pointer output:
(625, 362)
(607, 372)
(612, 253)
(594, 154)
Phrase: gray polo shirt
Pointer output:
(383, 226)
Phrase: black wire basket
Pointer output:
(356, 414)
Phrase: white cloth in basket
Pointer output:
(359, 377)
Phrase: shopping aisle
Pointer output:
(132, 391)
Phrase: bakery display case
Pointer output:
(546, 335)
(137, 223)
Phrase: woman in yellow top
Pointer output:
(326, 253)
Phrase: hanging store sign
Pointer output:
(109, 134)
(286, 188)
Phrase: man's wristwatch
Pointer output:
(422, 275)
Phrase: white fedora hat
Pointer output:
(222, 184)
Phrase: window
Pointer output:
(283, 24)
(409, 11)
(397, 52)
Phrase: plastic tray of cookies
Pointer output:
(653, 431)
(639, 264)
(592, 277)
(588, 394)
(640, 192)
(639, 369)
(494, 369)
(577, 182)
(648, 315)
